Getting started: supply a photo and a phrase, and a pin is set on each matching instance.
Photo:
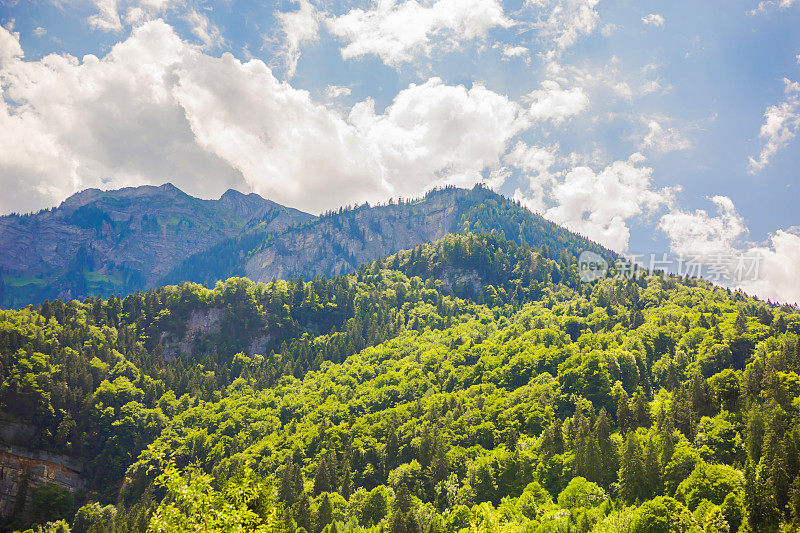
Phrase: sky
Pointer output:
(650, 127)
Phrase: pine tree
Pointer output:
(794, 502)
(412, 526)
(347, 482)
(322, 481)
(580, 444)
(740, 323)
(608, 453)
(652, 469)
(403, 499)
(641, 410)
(632, 472)
(398, 524)
(324, 514)
(624, 415)
(302, 512)
(666, 438)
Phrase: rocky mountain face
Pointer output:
(104, 242)
(339, 242)
(116, 242)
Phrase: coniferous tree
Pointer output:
(322, 481)
(641, 410)
(302, 513)
(632, 473)
(609, 461)
(324, 514)
(624, 414)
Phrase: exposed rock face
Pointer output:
(199, 324)
(119, 241)
(339, 243)
(22, 471)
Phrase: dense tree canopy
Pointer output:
(468, 384)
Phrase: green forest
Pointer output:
(471, 384)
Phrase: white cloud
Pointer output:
(663, 140)
(607, 81)
(10, 49)
(433, 130)
(336, 91)
(781, 122)
(113, 15)
(700, 234)
(535, 163)
(203, 29)
(107, 18)
(516, 51)
(653, 19)
(777, 268)
(600, 204)
(766, 5)
(39, 31)
(562, 22)
(551, 102)
(157, 108)
(298, 27)
(768, 270)
(532, 159)
(70, 124)
(399, 32)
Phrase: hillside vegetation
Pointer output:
(472, 384)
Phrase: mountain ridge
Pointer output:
(104, 242)
(116, 242)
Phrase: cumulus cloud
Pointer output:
(70, 124)
(700, 234)
(600, 204)
(399, 32)
(298, 27)
(516, 51)
(551, 102)
(653, 19)
(9, 46)
(39, 31)
(434, 129)
(662, 140)
(781, 122)
(776, 278)
(107, 17)
(157, 108)
(716, 241)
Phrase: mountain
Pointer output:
(104, 242)
(341, 241)
(468, 384)
(117, 242)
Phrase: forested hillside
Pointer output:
(469, 384)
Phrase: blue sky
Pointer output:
(648, 126)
